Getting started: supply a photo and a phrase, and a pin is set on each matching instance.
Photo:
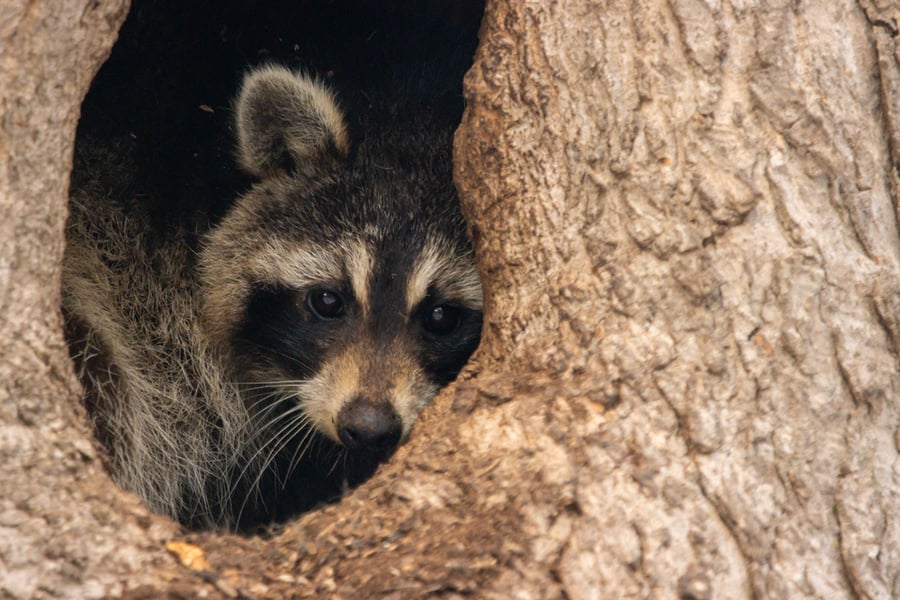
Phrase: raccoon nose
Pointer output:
(364, 425)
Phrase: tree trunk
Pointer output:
(686, 217)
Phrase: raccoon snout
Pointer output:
(362, 424)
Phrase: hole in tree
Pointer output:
(155, 171)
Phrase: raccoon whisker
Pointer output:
(280, 394)
(317, 445)
(268, 423)
(254, 397)
(274, 399)
(269, 383)
(301, 449)
(270, 449)
(254, 387)
(263, 392)
(251, 393)
(292, 419)
(286, 390)
(276, 444)
(263, 431)
(262, 411)
(284, 422)
(341, 455)
(303, 364)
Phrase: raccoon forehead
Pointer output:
(301, 266)
(441, 266)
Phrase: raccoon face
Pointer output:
(342, 286)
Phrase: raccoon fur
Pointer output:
(294, 349)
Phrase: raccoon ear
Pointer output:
(285, 119)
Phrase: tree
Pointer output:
(64, 530)
(686, 218)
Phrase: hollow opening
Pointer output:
(156, 173)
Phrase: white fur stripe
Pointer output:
(454, 276)
(358, 262)
(302, 267)
(298, 267)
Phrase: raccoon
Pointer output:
(293, 352)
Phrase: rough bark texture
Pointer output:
(64, 530)
(692, 206)
(687, 220)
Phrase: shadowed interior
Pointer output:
(157, 136)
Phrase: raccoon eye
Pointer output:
(325, 304)
(441, 319)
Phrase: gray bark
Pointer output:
(686, 216)
(713, 189)
(64, 530)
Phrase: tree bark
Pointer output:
(692, 206)
(686, 217)
(65, 531)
